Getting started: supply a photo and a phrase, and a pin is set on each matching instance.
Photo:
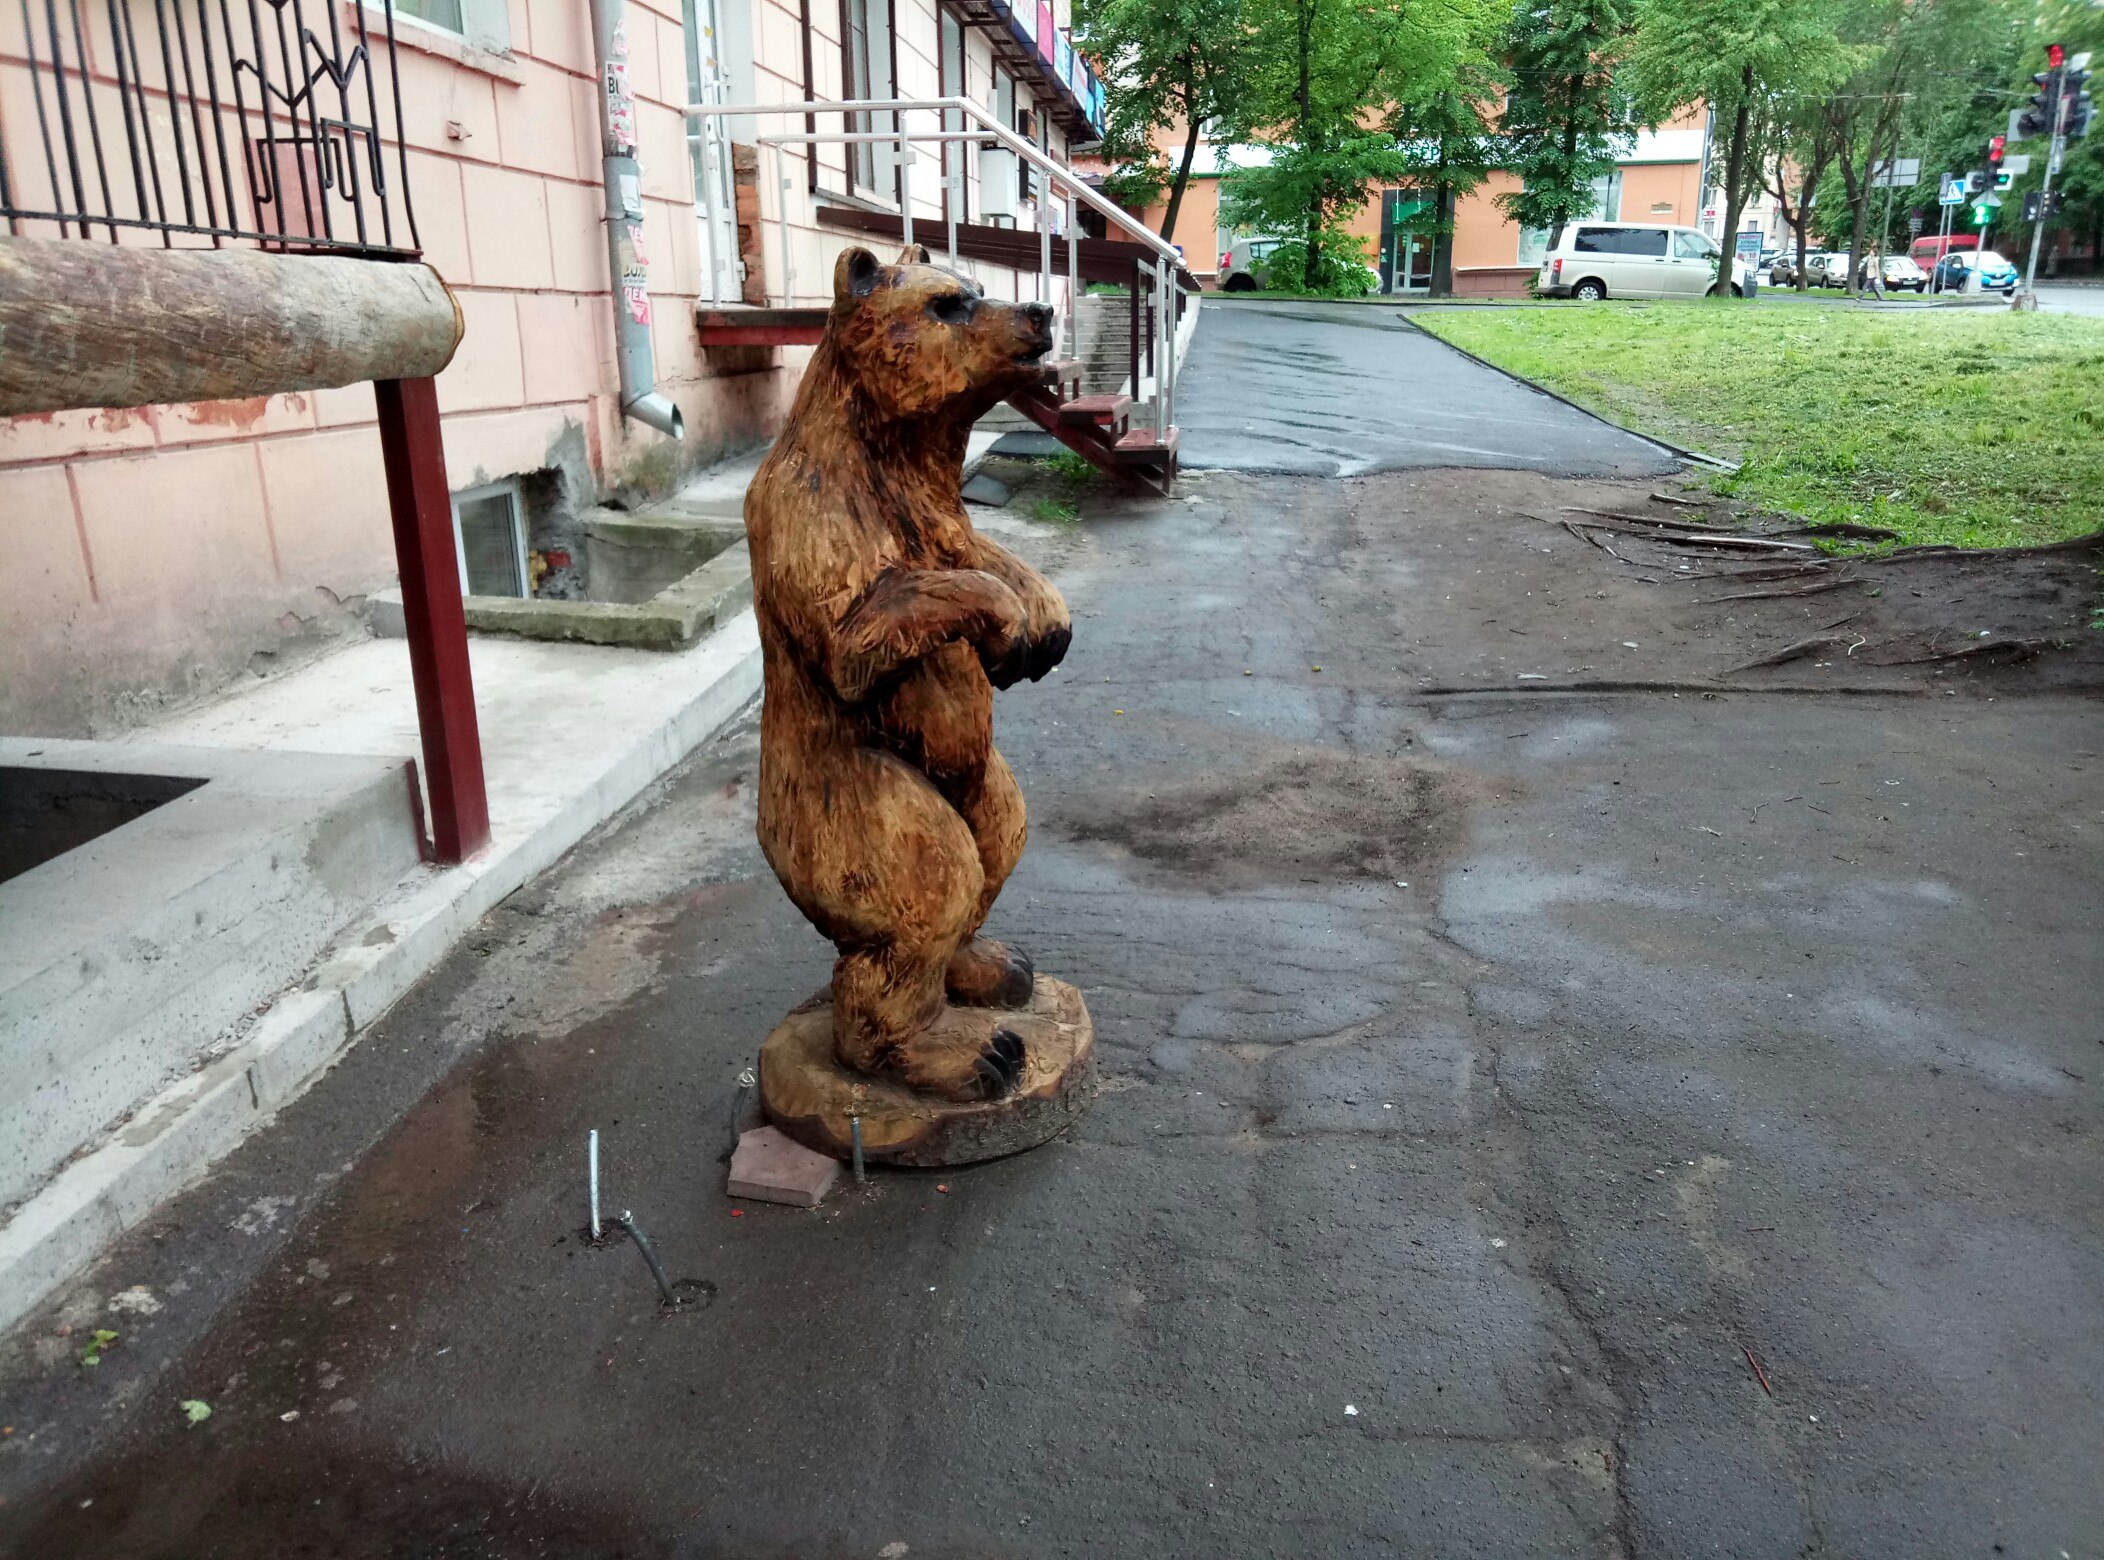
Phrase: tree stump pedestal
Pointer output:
(810, 1097)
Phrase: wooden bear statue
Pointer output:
(886, 624)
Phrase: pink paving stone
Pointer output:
(767, 1167)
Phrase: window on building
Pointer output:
(434, 13)
(489, 527)
(999, 168)
(1607, 207)
(867, 29)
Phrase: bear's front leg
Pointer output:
(1047, 627)
(907, 614)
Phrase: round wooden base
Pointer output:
(811, 1097)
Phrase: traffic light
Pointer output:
(2037, 206)
(1982, 214)
(2037, 117)
(2078, 104)
(1976, 182)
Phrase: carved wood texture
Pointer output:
(886, 624)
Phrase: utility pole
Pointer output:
(2062, 81)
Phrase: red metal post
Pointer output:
(438, 631)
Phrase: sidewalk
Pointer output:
(570, 733)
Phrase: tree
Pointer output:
(1451, 148)
(1170, 65)
(1737, 56)
(1799, 147)
(1913, 57)
(1564, 113)
(1322, 75)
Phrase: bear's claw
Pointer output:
(1031, 658)
(1000, 1064)
(984, 973)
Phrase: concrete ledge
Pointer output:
(169, 1143)
(550, 786)
(126, 958)
(673, 619)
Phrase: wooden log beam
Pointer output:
(84, 324)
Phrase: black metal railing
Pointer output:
(209, 120)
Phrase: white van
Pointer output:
(1593, 260)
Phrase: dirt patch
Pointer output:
(1309, 815)
(1510, 580)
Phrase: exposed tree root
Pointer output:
(1813, 645)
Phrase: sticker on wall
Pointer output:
(640, 257)
(637, 297)
(620, 104)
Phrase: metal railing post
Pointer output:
(1132, 311)
(1073, 278)
(905, 182)
(781, 216)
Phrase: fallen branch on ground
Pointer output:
(1587, 536)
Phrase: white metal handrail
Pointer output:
(1161, 271)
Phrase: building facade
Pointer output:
(1658, 178)
(162, 552)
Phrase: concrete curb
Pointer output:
(176, 1137)
(1715, 463)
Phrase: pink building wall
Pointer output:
(159, 552)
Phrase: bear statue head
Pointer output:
(915, 339)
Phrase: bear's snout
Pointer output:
(1036, 320)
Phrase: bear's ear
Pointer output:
(856, 273)
(915, 254)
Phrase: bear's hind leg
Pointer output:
(879, 998)
(889, 870)
(985, 973)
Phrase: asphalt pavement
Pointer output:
(1615, 1125)
(2070, 297)
(1330, 389)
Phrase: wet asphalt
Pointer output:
(1595, 1125)
(1329, 389)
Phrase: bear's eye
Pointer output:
(951, 308)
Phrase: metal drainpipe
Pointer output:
(624, 226)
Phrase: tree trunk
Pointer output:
(1735, 183)
(1859, 211)
(1443, 242)
(1309, 258)
(1183, 178)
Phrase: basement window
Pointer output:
(489, 529)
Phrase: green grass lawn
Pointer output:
(1975, 427)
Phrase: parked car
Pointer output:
(1783, 273)
(1594, 260)
(1898, 273)
(1996, 273)
(1244, 267)
(1826, 269)
(1242, 264)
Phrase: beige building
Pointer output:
(159, 553)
